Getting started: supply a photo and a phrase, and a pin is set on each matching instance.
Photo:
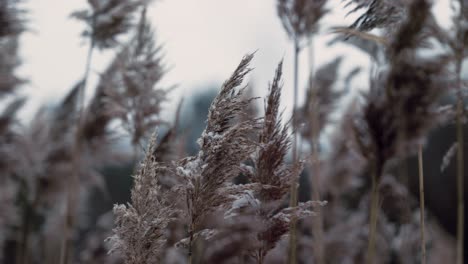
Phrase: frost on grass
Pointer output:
(448, 156)
(224, 145)
(269, 182)
(274, 176)
(139, 233)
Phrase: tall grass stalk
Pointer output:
(459, 47)
(460, 171)
(89, 58)
(292, 259)
(73, 188)
(314, 169)
(190, 246)
(373, 215)
(421, 204)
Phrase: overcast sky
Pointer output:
(203, 41)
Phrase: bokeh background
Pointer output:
(202, 42)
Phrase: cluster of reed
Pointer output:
(228, 203)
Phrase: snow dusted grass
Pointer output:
(228, 203)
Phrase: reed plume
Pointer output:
(273, 177)
(139, 234)
(410, 88)
(224, 145)
(106, 20)
(300, 20)
(137, 71)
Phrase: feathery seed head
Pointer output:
(300, 17)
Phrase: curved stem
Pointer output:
(85, 77)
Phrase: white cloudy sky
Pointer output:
(203, 41)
